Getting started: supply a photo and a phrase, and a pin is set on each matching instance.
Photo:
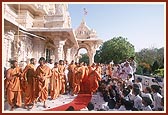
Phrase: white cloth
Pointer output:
(105, 78)
(157, 101)
(122, 108)
(129, 82)
(126, 98)
(131, 96)
(66, 72)
(123, 76)
(128, 70)
(138, 102)
(139, 85)
(50, 65)
(147, 108)
(105, 106)
(115, 71)
(133, 64)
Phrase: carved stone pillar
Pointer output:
(23, 47)
(67, 56)
(92, 52)
(59, 50)
(15, 48)
(73, 53)
(91, 57)
(7, 48)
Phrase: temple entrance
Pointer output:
(84, 56)
(87, 38)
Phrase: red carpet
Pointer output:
(78, 103)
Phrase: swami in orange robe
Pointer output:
(85, 85)
(70, 74)
(54, 82)
(61, 69)
(78, 75)
(43, 72)
(13, 86)
(94, 77)
(29, 76)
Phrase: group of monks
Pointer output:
(35, 84)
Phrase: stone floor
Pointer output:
(96, 99)
(63, 99)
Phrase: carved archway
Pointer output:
(80, 49)
(87, 38)
(78, 54)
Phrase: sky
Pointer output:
(141, 24)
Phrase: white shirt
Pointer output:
(157, 101)
(105, 106)
(126, 98)
(147, 108)
(50, 65)
(147, 95)
(129, 70)
(123, 76)
(138, 102)
(122, 108)
(133, 65)
(131, 96)
(128, 82)
(115, 71)
(139, 85)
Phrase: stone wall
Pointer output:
(24, 49)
